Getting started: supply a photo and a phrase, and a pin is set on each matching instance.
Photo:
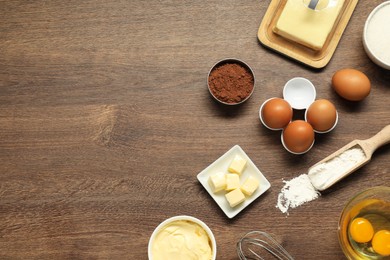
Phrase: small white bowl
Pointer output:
(185, 218)
(299, 92)
(381, 38)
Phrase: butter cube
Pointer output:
(250, 185)
(237, 165)
(235, 197)
(232, 181)
(309, 27)
(217, 181)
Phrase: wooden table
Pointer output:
(106, 121)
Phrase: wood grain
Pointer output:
(106, 121)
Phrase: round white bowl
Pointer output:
(299, 92)
(186, 218)
(382, 37)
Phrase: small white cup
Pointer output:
(299, 92)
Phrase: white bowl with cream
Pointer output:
(182, 237)
(376, 35)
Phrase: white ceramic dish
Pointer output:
(374, 41)
(222, 164)
(187, 218)
(299, 92)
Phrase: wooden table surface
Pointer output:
(105, 121)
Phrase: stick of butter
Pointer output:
(235, 197)
(299, 23)
(250, 185)
(237, 165)
(217, 181)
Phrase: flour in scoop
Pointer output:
(326, 173)
(296, 192)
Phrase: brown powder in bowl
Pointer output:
(231, 83)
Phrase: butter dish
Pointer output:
(309, 36)
(222, 165)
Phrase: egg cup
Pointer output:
(327, 131)
(261, 116)
(299, 92)
(288, 150)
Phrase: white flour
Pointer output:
(378, 33)
(327, 172)
(296, 192)
(302, 189)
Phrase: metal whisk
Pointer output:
(258, 244)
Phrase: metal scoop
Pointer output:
(368, 147)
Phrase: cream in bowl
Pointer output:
(182, 237)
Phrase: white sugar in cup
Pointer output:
(376, 35)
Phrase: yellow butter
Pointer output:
(235, 197)
(237, 165)
(299, 23)
(232, 181)
(217, 181)
(250, 185)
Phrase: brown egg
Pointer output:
(298, 136)
(322, 115)
(351, 84)
(276, 113)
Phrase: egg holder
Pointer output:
(300, 93)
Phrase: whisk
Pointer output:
(257, 244)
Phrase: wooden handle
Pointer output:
(381, 138)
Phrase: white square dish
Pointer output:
(221, 165)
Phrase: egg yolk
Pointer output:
(381, 242)
(361, 230)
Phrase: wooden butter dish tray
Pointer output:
(313, 58)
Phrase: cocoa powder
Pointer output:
(231, 82)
